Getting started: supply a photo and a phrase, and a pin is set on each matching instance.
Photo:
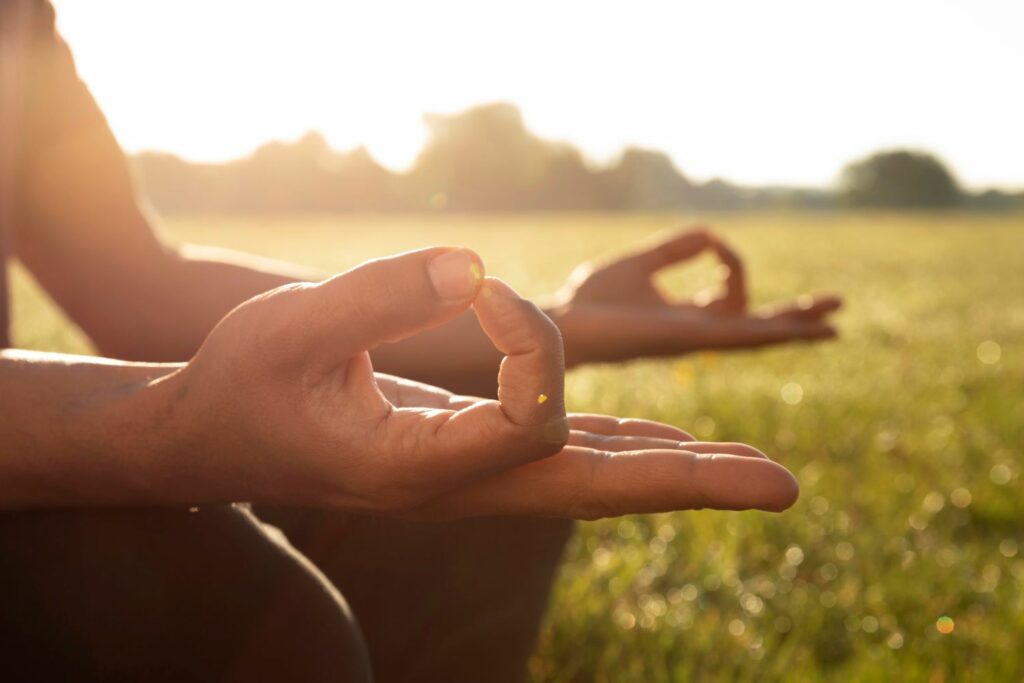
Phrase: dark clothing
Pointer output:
(160, 595)
(218, 594)
(214, 595)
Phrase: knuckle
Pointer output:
(370, 292)
(692, 472)
(524, 310)
(588, 501)
(545, 325)
(529, 327)
(542, 329)
(266, 322)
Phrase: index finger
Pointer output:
(528, 420)
(665, 251)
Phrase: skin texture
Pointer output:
(515, 455)
(281, 405)
(609, 465)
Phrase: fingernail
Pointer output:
(456, 275)
(556, 431)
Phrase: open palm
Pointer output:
(610, 466)
(281, 405)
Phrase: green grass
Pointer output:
(908, 448)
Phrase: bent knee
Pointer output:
(204, 595)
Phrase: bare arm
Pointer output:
(86, 237)
(280, 406)
(70, 431)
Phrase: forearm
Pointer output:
(78, 431)
(167, 315)
(157, 304)
(200, 286)
(147, 301)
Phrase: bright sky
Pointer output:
(757, 91)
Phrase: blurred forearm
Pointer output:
(456, 356)
(199, 286)
(157, 304)
(147, 301)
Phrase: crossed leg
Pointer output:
(457, 601)
(167, 595)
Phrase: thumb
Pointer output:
(391, 298)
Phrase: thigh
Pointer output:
(456, 601)
(166, 595)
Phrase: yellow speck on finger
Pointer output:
(542, 398)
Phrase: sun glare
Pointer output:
(728, 89)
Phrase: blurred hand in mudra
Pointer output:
(612, 310)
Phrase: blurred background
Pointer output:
(568, 105)
(872, 149)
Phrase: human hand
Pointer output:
(281, 405)
(610, 466)
(614, 311)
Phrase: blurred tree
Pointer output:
(306, 175)
(996, 200)
(899, 178)
(485, 158)
(647, 180)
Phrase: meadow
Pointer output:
(904, 557)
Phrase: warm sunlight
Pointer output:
(726, 87)
(525, 342)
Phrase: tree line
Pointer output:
(485, 159)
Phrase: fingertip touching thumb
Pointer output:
(456, 275)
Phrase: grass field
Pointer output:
(903, 559)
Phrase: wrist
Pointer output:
(133, 432)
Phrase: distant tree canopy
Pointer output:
(899, 179)
(486, 159)
(303, 176)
